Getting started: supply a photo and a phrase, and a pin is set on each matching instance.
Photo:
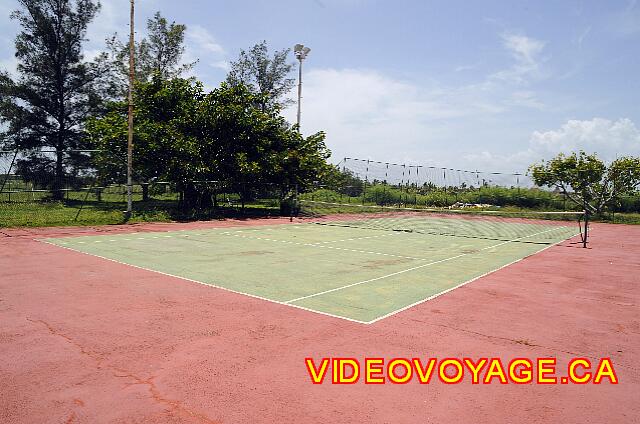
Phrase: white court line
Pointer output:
(207, 284)
(354, 239)
(287, 303)
(409, 269)
(321, 246)
(217, 231)
(463, 284)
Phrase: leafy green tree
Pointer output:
(264, 75)
(159, 54)
(55, 90)
(161, 148)
(344, 181)
(586, 180)
(252, 147)
(184, 135)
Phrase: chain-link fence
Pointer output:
(40, 188)
(369, 182)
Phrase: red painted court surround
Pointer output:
(89, 341)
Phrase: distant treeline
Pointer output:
(346, 188)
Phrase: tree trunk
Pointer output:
(145, 192)
(194, 198)
(189, 196)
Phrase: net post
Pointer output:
(520, 202)
(402, 185)
(384, 187)
(415, 203)
(293, 203)
(366, 180)
(444, 182)
(586, 229)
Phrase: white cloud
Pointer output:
(368, 114)
(524, 49)
(608, 139)
(526, 52)
(603, 136)
(202, 46)
(221, 64)
(526, 98)
(10, 65)
(476, 126)
(365, 112)
(110, 19)
(200, 39)
(581, 37)
(199, 42)
(462, 68)
(625, 22)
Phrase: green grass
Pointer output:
(621, 218)
(505, 200)
(36, 209)
(532, 199)
(75, 212)
(48, 214)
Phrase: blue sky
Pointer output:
(490, 85)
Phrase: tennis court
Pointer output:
(362, 268)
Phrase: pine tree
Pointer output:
(46, 104)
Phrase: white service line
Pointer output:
(392, 313)
(321, 246)
(287, 303)
(356, 238)
(409, 269)
(213, 285)
(237, 233)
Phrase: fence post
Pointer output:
(6, 177)
(86, 196)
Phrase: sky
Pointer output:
(480, 85)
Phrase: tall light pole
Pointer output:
(301, 53)
(130, 114)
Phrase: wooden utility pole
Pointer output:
(130, 115)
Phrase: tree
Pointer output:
(162, 149)
(160, 54)
(185, 135)
(56, 89)
(264, 75)
(343, 180)
(586, 180)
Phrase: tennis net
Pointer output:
(525, 227)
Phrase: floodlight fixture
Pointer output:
(301, 52)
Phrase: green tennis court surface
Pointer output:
(359, 274)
